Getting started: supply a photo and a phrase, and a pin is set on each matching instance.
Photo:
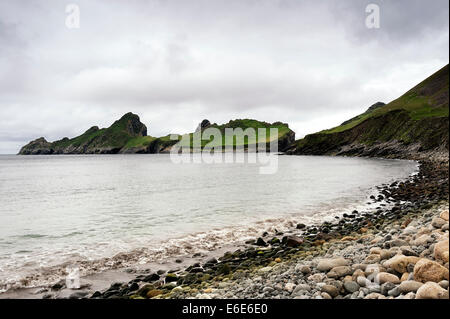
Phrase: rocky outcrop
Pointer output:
(393, 135)
(94, 141)
(39, 146)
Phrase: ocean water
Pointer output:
(83, 210)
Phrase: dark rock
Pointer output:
(151, 278)
(292, 241)
(78, 295)
(170, 277)
(260, 242)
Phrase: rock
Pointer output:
(304, 269)
(384, 277)
(395, 292)
(405, 276)
(357, 273)
(374, 288)
(78, 295)
(316, 277)
(422, 240)
(395, 243)
(386, 287)
(293, 241)
(223, 269)
(444, 284)
(299, 289)
(438, 222)
(374, 295)
(339, 271)
(153, 293)
(400, 262)
(410, 295)
(268, 290)
(444, 215)
(265, 269)
(431, 290)
(409, 230)
(362, 281)
(374, 269)
(407, 251)
(372, 259)
(329, 263)
(409, 286)
(211, 261)
(325, 295)
(301, 226)
(428, 270)
(195, 270)
(96, 294)
(151, 278)
(289, 287)
(202, 125)
(170, 278)
(441, 251)
(260, 242)
(59, 285)
(331, 290)
(351, 286)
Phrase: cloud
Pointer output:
(310, 63)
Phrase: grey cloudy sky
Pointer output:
(312, 64)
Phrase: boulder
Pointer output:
(327, 264)
(438, 222)
(409, 286)
(339, 271)
(431, 290)
(427, 270)
(422, 240)
(400, 262)
(293, 241)
(441, 251)
(444, 215)
(331, 290)
(384, 277)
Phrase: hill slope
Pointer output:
(413, 126)
(128, 135)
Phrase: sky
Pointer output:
(312, 64)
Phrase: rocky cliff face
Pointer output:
(393, 135)
(39, 146)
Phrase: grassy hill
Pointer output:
(129, 135)
(416, 123)
(285, 137)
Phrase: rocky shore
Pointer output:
(399, 251)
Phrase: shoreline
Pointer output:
(208, 271)
(215, 278)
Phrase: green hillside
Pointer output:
(416, 123)
(428, 99)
